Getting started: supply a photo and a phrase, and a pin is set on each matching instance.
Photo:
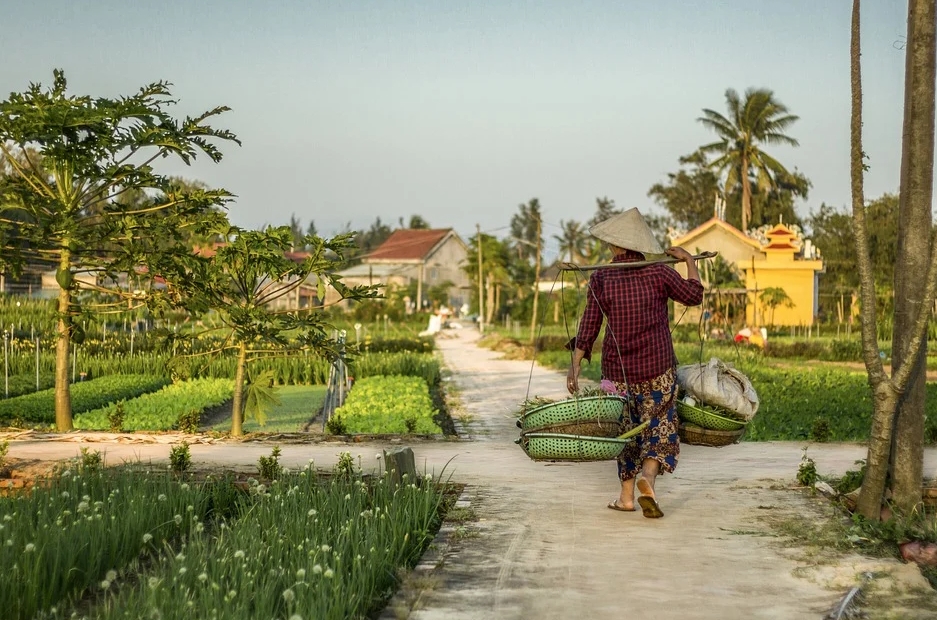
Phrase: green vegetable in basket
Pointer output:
(533, 403)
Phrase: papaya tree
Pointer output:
(83, 196)
(250, 283)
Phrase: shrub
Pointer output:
(335, 426)
(807, 471)
(91, 460)
(269, 466)
(188, 421)
(180, 458)
(820, 431)
(115, 417)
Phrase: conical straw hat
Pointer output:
(627, 230)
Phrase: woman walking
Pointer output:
(637, 351)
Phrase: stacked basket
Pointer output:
(575, 429)
(704, 426)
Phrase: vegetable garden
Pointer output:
(823, 401)
(161, 384)
(128, 543)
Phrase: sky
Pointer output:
(461, 111)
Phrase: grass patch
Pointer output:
(298, 405)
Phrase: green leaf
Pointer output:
(260, 396)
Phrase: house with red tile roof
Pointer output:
(428, 257)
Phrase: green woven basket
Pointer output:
(707, 419)
(600, 408)
(577, 448)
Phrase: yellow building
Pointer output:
(769, 259)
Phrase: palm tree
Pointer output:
(758, 119)
(572, 240)
(525, 229)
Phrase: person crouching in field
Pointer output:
(637, 352)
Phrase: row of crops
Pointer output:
(152, 402)
(130, 543)
(298, 369)
(387, 405)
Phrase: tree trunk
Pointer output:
(869, 503)
(746, 195)
(533, 318)
(490, 302)
(913, 251)
(237, 401)
(63, 397)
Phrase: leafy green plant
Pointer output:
(852, 479)
(188, 421)
(159, 411)
(807, 471)
(388, 405)
(4, 450)
(270, 467)
(91, 460)
(336, 426)
(180, 457)
(820, 431)
(345, 466)
(260, 396)
(116, 416)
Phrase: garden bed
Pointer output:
(329, 545)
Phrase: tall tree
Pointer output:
(496, 256)
(914, 301)
(914, 249)
(572, 239)
(525, 226)
(377, 234)
(311, 229)
(689, 195)
(417, 223)
(94, 151)
(241, 282)
(296, 230)
(756, 120)
(833, 232)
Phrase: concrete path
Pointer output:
(545, 546)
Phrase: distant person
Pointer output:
(637, 352)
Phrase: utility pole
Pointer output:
(533, 319)
(481, 288)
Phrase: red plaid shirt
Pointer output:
(637, 344)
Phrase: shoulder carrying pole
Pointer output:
(634, 265)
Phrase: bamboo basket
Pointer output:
(551, 446)
(707, 419)
(587, 428)
(697, 436)
(598, 408)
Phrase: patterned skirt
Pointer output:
(656, 401)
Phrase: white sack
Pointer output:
(719, 384)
